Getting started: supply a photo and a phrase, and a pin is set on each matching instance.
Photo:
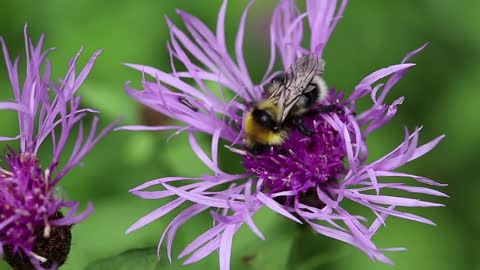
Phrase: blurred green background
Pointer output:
(442, 93)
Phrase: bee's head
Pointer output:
(265, 119)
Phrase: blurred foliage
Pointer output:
(441, 93)
(132, 259)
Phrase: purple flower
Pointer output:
(306, 179)
(33, 230)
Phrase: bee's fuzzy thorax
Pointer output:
(270, 107)
(322, 88)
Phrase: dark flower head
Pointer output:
(306, 179)
(30, 200)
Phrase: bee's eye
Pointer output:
(262, 117)
(265, 119)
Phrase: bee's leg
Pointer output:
(321, 109)
(325, 109)
(298, 123)
(329, 108)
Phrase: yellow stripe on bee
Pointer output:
(271, 107)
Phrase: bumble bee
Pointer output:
(288, 98)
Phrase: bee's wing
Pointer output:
(300, 74)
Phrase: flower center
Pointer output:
(302, 162)
(28, 205)
(25, 199)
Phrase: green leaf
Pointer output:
(4, 265)
(143, 258)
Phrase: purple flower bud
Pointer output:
(34, 233)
